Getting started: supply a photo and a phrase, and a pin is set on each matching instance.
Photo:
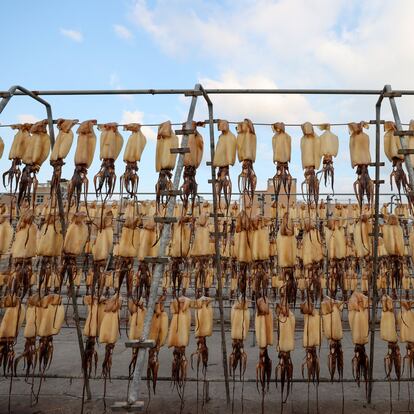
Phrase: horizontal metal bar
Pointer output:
(218, 379)
(187, 92)
(191, 92)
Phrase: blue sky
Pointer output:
(174, 44)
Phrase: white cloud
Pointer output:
(297, 43)
(27, 118)
(74, 35)
(129, 117)
(259, 108)
(122, 32)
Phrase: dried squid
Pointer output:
(224, 156)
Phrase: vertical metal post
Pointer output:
(376, 236)
(135, 389)
(217, 247)
(404, 145)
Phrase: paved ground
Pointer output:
(63, 396)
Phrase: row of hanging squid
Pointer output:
(318, 253)
(31, 147)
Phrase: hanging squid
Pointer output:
(178, 337)
(311, 341)
(109, 333)
(406, 326)
(361, 158)
(242, 248)
(158, 333)
(110, 145)
(388, 332)
(51, 319)
(179, 250)
(102, 248)
(9, 329)
(336, 249)
(359, 323)
(312, 258)
(91, 331)
(85, 150)
(224, 156)
(311, 159)
(264, 335)
(392, 144)
(49, 248)
(23, 250)
(286, 344)
(240, 323)
(13, 317)
(36, 152)
(11, 178)
(128, 248)
(74, 244)
(394, 244)
(287, 252)
(31, 331)
(132, 155)
(6, 234)
(331, 310)
(203, 329)
(192, 161)
(201, 251)
(329, 145)
(164, 162)
(281, 143)
(260, 248)
(246, 152)
(60, 150)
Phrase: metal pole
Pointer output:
(403, 139)
(192, 92)
(217, 247)
(376, 236)
(135, 389)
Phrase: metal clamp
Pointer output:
(184, 150)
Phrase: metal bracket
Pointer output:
(147, 343)
(378, 181)
(407, 151)
(218, 234)
(160, 219)
(216, 215)
(373, 164)
(373, 234)
(184, 150)
(392, 94)
(403, 133)
(184, 131)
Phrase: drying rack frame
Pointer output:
(199, 91)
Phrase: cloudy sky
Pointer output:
(222, 44)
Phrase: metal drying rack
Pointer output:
(133, 403)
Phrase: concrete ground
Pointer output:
(63, 395)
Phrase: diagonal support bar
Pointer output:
(403, 138)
